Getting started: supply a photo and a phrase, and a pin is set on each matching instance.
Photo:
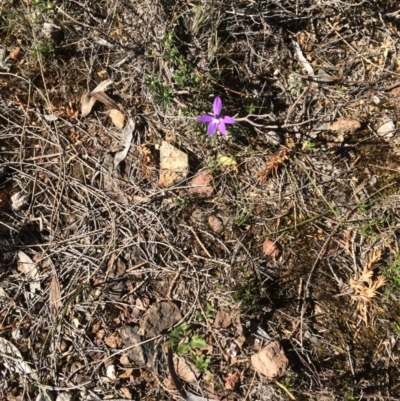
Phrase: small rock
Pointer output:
(271, 248)
(222, 320)
(271, 361)
(201, 183)
(52, 31)
(274, 138)
(174, 165)
(322, 127)
(387, 128)
(64, 397)
(117, 118)
(198, 216)
(110, 372)
(139, 355)
(161, 317)
(19, 201)
(345, 124)
(216, 224)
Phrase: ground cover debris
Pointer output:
(199, 200)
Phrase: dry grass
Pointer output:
(107, 254)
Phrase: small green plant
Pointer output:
(185, 341)
(208, 310)
(183, 74)
(243, 215)
(42, 49)
(309, 146)
(362, 207)
(171, 54)
(181, 202)
(289, 380)
(396, 326)
(371, 227)
(201, 362)
(392, 276)
(247, 292)
(350, 397)
(163, 95)
(251, 108)
(45, 7)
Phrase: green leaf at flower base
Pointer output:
(227, 161)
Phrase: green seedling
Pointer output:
(371, 227)
(243, 215)
(392, 276)
(247, 293)
(208, 310)
(42, 49)
(163, 95)
(309, 146)
(185, 342)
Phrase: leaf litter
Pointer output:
(88, 100)
(12, 358)
(84, 222)
(30, 269)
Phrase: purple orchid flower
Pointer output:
(216, 122)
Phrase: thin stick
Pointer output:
(198, 240)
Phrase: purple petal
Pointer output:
(228, 120)
(212, 127)
(217, 106)
(205, 118)
(222, 128)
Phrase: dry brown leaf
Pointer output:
(373, 258)
(101, 87)
(271, 361)
(27, 266)
(117, 118)
(113, 340)
(125, 362)
(105, 99)
(222, 320)
(89, 99)
(185, 370)
(125, 142)
(232, 381)
(126, 393)
(15, 362)
(87, 103)
(55, 294)
(345, 124)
